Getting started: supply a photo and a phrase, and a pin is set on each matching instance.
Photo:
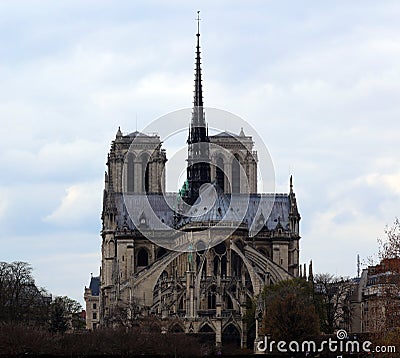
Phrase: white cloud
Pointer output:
(3, 203)
(79, 204)
(389, 181)
(336, 237)
(57, 161)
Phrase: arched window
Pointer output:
(200, 247)
(131, 173)
(198, 262)
(142, 257)
(161, 252)
(206, 329)
(219, 176)
(220, 249)
(145, 173)
(231, 335)
(211, 298)
(216, 264)
(164, 275)
(235, 175)
(236, 265)
(229, 304)
(146, 179)
(176, 328)
(223, 266)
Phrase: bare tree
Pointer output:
(126, 315)
(387, 276)
(331, 296)
(389, 247)
(20, 299)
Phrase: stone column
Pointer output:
(228, 177)
(218, 334)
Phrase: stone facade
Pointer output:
(375, 303)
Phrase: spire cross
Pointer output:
(198, 22)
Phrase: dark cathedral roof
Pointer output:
(157, 211)
(215, 211)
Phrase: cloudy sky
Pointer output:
(320, 81)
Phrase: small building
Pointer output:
(92, 303)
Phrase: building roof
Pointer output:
(137, 134)
(225, 134)
(95, 285)
(216, 210)
(156, 211)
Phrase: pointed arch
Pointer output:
(176, 328)
(142, 257)
(231, 335)
(206, 328)
(212, 297)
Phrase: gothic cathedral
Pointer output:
(205, 280)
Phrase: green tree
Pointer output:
(290, 312)
(64, 314)
(58, 316)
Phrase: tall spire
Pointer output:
(198, 131)
(198, 170)
(198, 90)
